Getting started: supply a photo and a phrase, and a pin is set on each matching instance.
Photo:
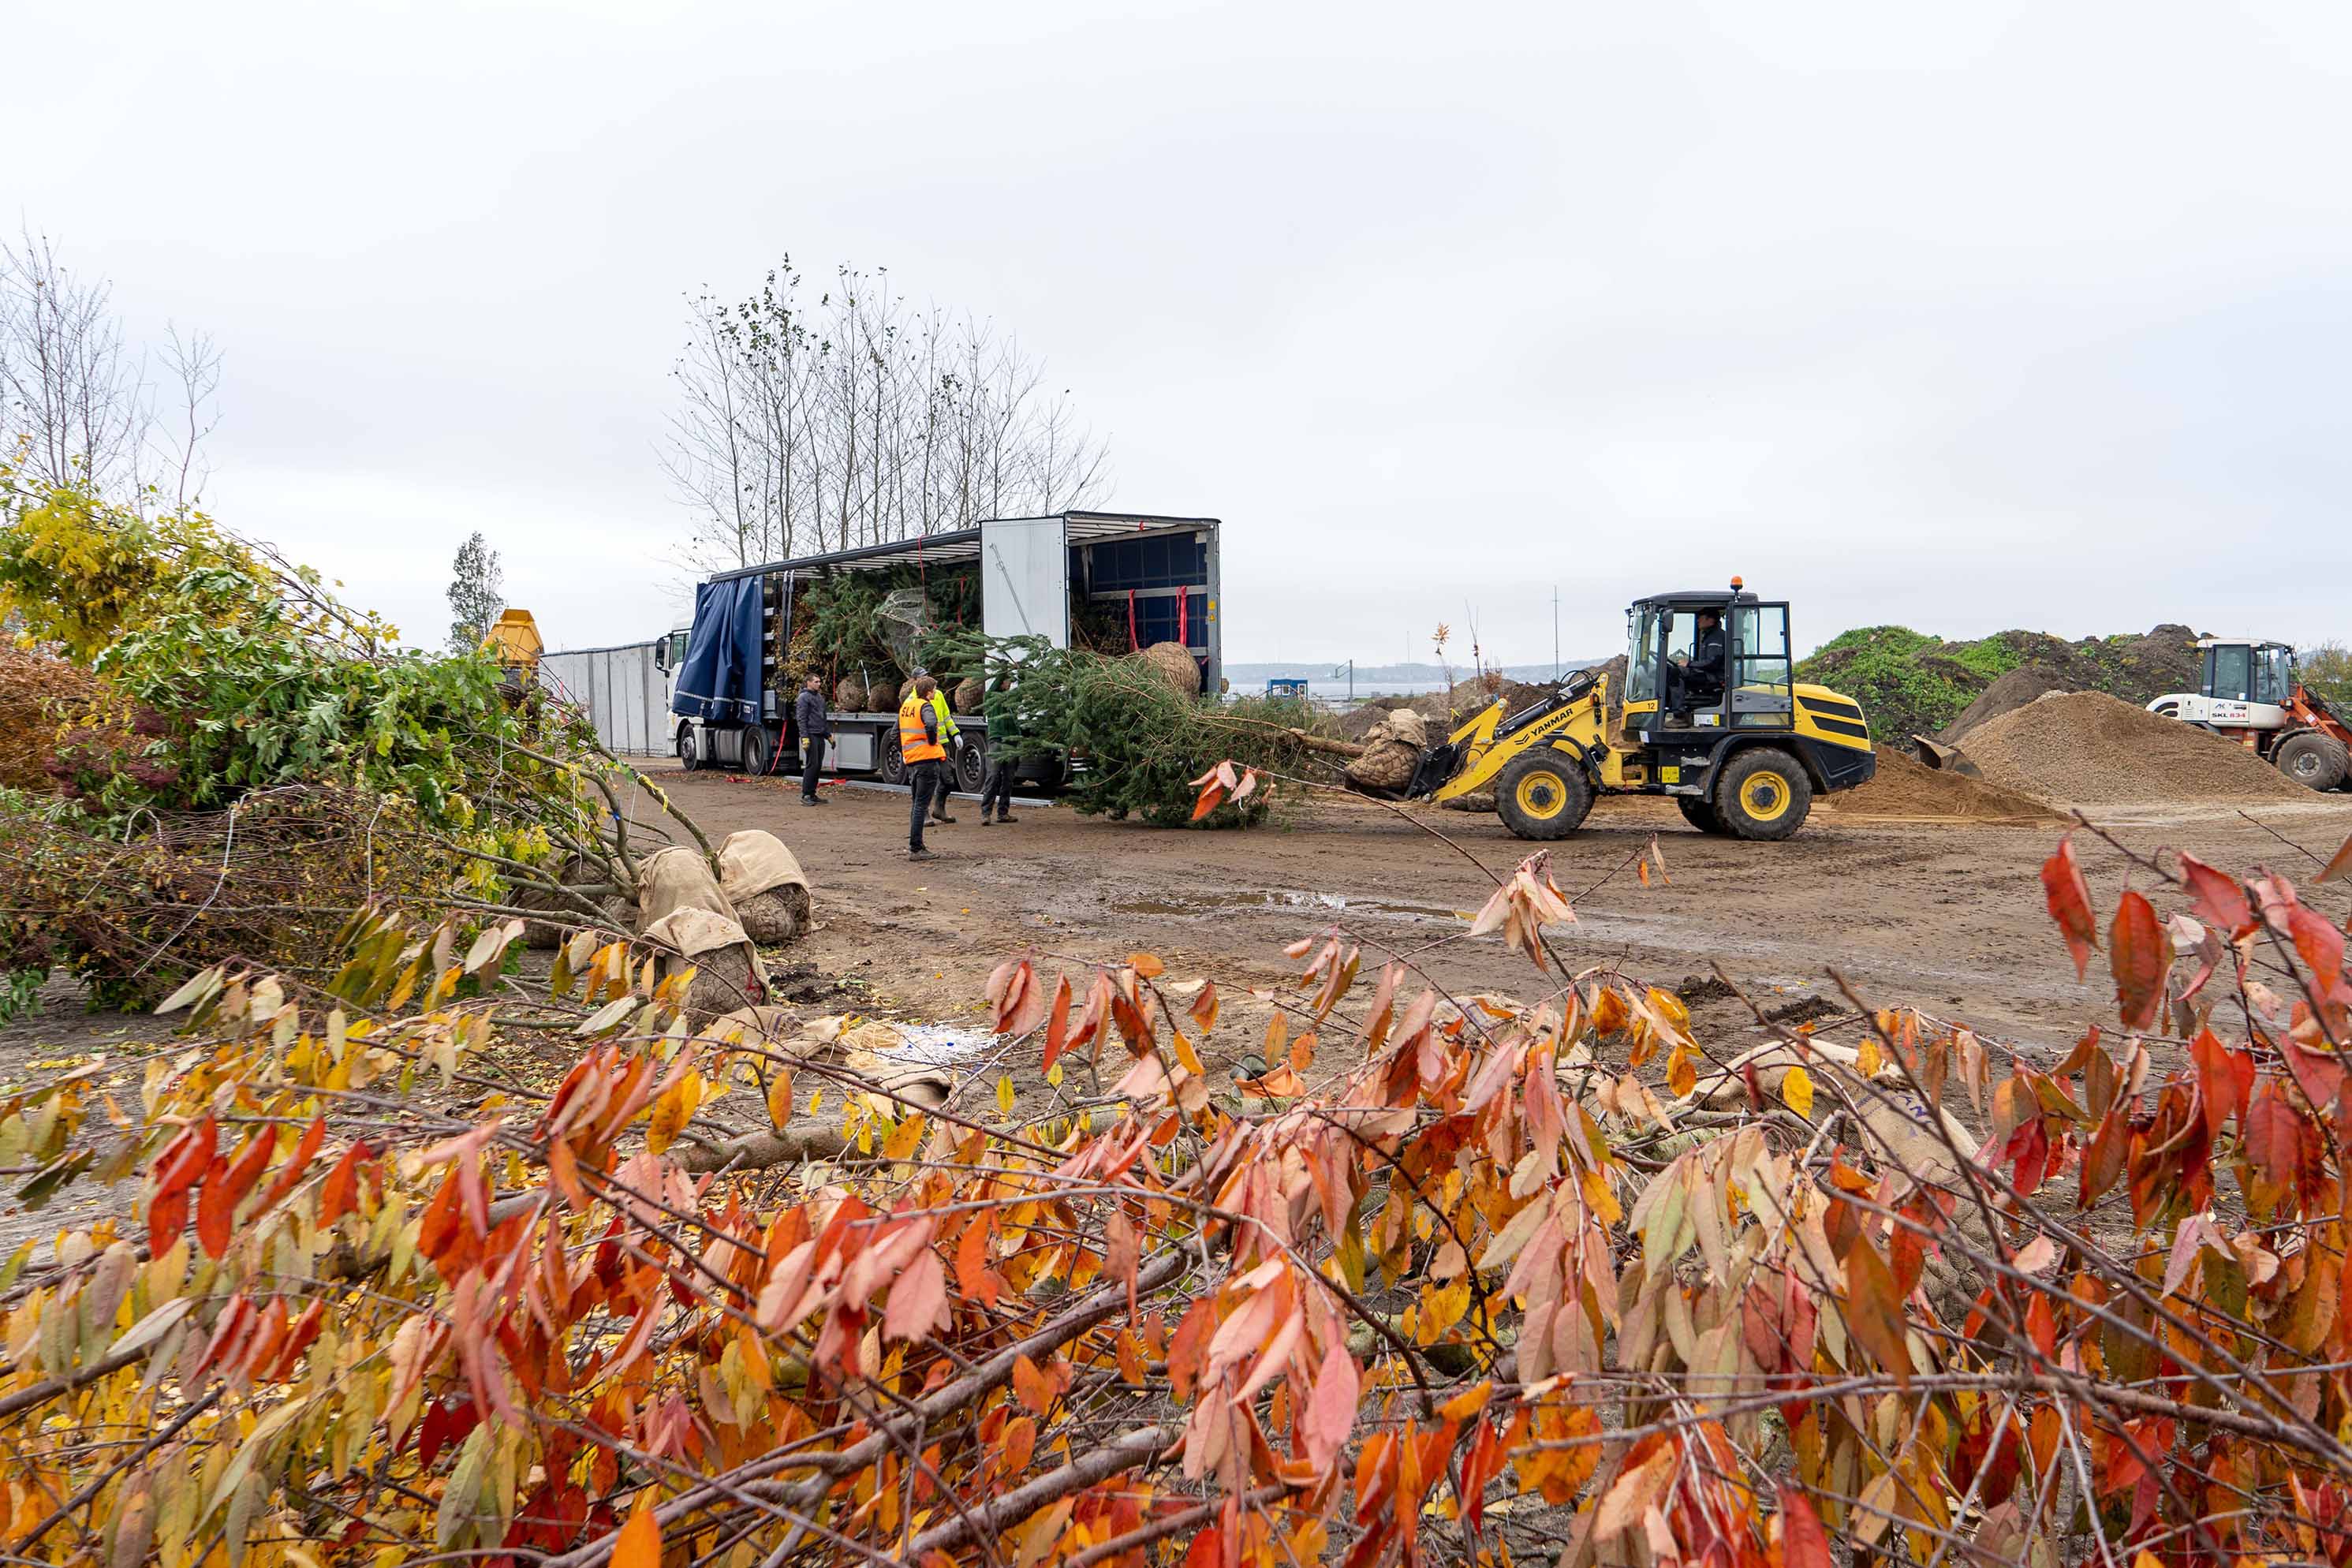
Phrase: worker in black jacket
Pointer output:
(1698, 676)
(808, 715)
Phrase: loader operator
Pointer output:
(1696, 677)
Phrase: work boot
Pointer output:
(984, 820)
(942, 816)
(921, 855)
(1004, 817)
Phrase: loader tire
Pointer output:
(1701, 814)
(1544, 795)
(1763, 794)
(2311, 758)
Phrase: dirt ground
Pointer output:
(1947, 917)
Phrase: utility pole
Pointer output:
(1348, 669)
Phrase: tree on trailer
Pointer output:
(1125, 579)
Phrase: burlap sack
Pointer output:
(765, 882)
(1393, 751)
(1893, 1120)
(863, 1050)
(728, 971)
(676, 879)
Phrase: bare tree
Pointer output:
(856, 421)
(77, 408)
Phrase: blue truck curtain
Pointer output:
(720, 679)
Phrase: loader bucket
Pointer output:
(1945, 759)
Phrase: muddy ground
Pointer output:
(1948, 917)
(1945, 917)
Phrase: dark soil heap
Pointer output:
(2087, 749)
(1909, 683)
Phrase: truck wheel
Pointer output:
(755, 750)
(1763, 794)
(1542, 795)
(888, 762)
(2311, 758)
(687, 758)
(971, 768)
(1700, 813)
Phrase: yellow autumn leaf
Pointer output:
(1797, 1089)
(1004, 1094)
(1869, 1059)
(673, 1111)
(1681, 1076)
(780, 1100)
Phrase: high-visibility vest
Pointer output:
(949, 729)
(913, 745)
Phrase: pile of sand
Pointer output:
(1907, 790)
(2025, 684)
(2086, 748)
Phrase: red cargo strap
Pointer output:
(1133, 642)
(1183, 606)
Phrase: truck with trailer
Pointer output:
(1136, 578)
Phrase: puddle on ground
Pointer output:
(1287, 898)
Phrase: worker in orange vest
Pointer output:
(926, 758)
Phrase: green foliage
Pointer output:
(2327, 671)
(20, 993)
(1134, 743)
(79, 570)
(1911, 683)
(476, 595)
(836, 628)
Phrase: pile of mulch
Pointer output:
(1909, 791)
(2086, 748)
(2026, 683)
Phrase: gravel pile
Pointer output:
(2086, 748)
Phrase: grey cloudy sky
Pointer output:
(1967, 316)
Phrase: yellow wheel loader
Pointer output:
(1711, 714)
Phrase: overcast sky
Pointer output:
(1967, 315)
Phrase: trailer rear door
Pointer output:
(1024, 578)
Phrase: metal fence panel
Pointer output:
(621, 689)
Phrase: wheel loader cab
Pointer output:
(1711, 714)
(2249, 673)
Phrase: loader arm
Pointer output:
(1490, 740)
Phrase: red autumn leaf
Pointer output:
(1190, 1342)
(1874, 1313)
(291, 1174)
(2070, 904)
(2224, 1077)
(187, 1156)
(1329, 1416)
(2103, 1162)
(338, 1192)
(1033, 1386)
(250, 1161)
(918, 1299)
(2274, 1137)
(166, 1217)
(2219, 902)
(1204, 1006)
(2321, 946)
(215, 1209)
(1210, 798)
(1803, 1542)
(1057, 1024)
(2140, 958)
